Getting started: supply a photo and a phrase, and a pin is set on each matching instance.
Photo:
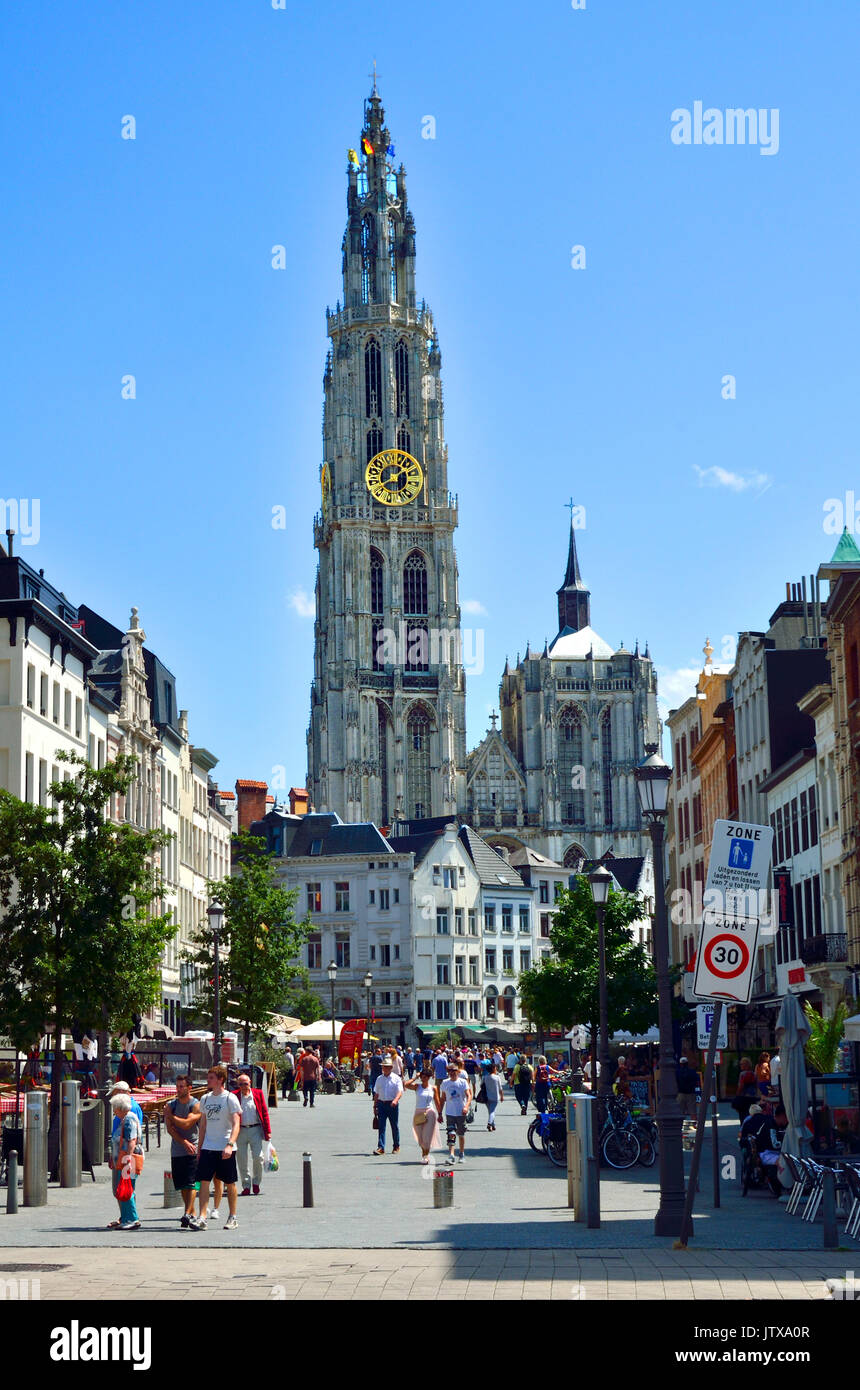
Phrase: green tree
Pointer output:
(564, 990)
(302, 1003)
(822, 1045)
(260, 941)
(80, 936)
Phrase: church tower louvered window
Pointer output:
(606, 765)
(415, 609)
(377, 572)
(418, 764)
(382, 733)
(368, 260)
(392, 252)
(570, 768)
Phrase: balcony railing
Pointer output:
(829, 948)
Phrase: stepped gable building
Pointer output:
(575, 719)
(387, 735)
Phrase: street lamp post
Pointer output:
(215, 913)
(600, 881)
(368, 981)
(332, 976)
(652, 780)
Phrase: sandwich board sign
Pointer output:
(704, 1024)
(733, 905)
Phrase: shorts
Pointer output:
(211, 1164)
(184, 1171)
(455, 1124)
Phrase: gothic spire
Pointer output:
(574, 599)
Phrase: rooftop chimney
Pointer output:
(298, 801)
(251, 801)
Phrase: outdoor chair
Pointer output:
(816, 1188)
(852, 1185)
(799, 1180)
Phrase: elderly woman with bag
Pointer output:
(425, 1122)
(126, 1161)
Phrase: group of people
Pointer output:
(445, 1090)
(211, 1140)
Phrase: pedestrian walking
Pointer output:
(125, 1144)
(544, 1074)
(397, 1063)
(375, 1067)
(762, 1072)
(522, 1081)
(440, 1065)
(387, 1091)
(425, 1123)
(493, 1089)
(747, 1090)
(182, 1118)
(216, 1145)
(498, 1060)
(255, 1129)
(687, 1084)
(510, 1062)
(310, 1071)
(289, 1074)
(409, 1061)
(454, 1096)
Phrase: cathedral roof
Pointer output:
(576, 646)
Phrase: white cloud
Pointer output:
(472, 605)
(674, 686)
(303, 603)
(735, 482)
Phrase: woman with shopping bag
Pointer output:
(425, 1122)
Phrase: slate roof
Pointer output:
(627, 871)
(492, 869)
(533, 859)
(337, 837)
(419, 845)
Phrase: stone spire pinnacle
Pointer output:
(574, 599)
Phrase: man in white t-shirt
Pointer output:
(220, 1118)
(387, 1092)
(510, 1062)
(455, 1095)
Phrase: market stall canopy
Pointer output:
(283, 1023)
(580, 1036)
(316, 1032)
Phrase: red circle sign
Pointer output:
(734, 967)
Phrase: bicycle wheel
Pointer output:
(533, 1135)
(556, 1152)
(647, 1150)
(621, 1148)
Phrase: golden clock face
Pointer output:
(394, 477)
(325, 485)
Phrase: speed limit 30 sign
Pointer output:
(725, 959)
(737, 876)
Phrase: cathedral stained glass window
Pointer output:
(368, 260)
(570, 767)
(418, 763)
(372, 379)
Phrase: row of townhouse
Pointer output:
(768, 739)
(428, 928)
(72, 681)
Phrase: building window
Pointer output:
(606, 756)
(425, 1009)
(473, 922)
(314, 895)
(67, 710)
(43, 782)
(341, 952)
(371, 896)
(813, 819)
(401, 379)
(415, 585)
(382, 728)
(473, 970)
(524, 917)
(56, 710)
(557, 890)
(570, 766)
(374, 442)
(341, 897)
(392, 257)
(43, 696)
(396, 951)
(449, 877)
(372, 953)
(441, 921)
(544, 924)
(492, 996)
(460, 1008)
(443, 1009)
(474, 1008)
(459, 970)
(443, 973)
(458, 921)
(544, 890)
(314, 953)
(384, 954)
(490, 961)
(804, 822)
(490, 917)
(28, 776)
(507, 917)
(508, 958)
(31, 686)
(377, 572)
(384, 899)
(368, 260)
(396, 892)
(525, 960)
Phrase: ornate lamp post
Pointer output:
(215, 913)
(600, 881)
(368, 981)
(652, 780)
(332, 976)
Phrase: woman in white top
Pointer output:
(494, 1088)
(425, 1123)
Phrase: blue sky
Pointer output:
(153, 257)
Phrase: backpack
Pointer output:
(525, 1075)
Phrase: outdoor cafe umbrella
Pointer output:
(792, 1030)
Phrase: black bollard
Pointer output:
(828, 1205)
(12, 1180)
(307, 1182)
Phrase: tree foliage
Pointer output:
(301, 1002)
(259, 941)
(822, 1045)
(564, 989)
(80, 936)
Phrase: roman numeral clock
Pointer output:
(394, 477)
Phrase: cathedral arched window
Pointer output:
(372, 379)
(401, 378)
(374, 442)
(382, 750)
(368, 260)
(510, 803)
(571, 772)
(404, 439)
(377, 571)
(574, 858)
(481, 793)
(415, 583)
(606, 766)
(418, 728)
(392, 253)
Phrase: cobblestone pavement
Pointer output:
(510, 1204)
(219, 1272)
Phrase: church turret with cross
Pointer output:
(387, 735)
(575, 719)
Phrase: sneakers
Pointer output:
(129, 1225)
(197, 1223)
(215, 1214)
(246, 1191)
(379, 1151)
(397, 1150)
(186, 1222)
(461, 1157)
(256, 1190)
(306, 1101)
(231, 1223)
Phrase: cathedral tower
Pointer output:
(387, 735)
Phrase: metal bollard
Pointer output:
(443, 1187)
(828, 1209)
(172, 1198)
(71, 1136)
(307, 1182)
(12, 1180)
(36, 1149)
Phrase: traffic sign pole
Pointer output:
(701, 1120)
